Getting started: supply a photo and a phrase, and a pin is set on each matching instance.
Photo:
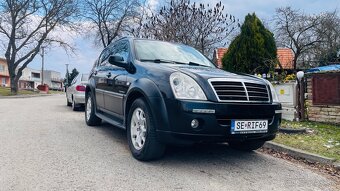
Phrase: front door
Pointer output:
(115, 80)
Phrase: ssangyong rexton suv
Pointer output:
(166, 93)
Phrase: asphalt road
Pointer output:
(46, 146)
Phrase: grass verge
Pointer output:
(322, 139)
(55, 92)
(7, 92)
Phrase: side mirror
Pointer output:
(118, 61)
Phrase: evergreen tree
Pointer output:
(69, 77)
(253, 50)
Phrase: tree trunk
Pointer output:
(14, 85)
(295, 63)
(14, 78)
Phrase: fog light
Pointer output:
(194, 123)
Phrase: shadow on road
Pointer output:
(204, 152)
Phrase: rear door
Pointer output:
(99, 75)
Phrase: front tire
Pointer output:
(141, 133)
(247, 145)
(90, 116)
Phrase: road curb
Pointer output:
(302, 154)
(26, 96)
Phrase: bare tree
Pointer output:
(110, 18)
(297, 31)
(327, 51)
(25, 26)
(202, 26)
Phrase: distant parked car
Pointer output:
(165, 93)
(75, 92)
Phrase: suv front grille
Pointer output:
(230, 91)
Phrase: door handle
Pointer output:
(108, 74)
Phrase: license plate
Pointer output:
(249, 126)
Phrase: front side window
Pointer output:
(121, 49)
(158, 50)
(105, 55)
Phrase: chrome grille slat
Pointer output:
(232, 90)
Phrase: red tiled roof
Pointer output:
(219, 55)
(285, 56)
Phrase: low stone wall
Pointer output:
(320, 113)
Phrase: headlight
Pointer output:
(184, 87)
(273, 92)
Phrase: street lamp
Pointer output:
(300, 75)
(301, 95)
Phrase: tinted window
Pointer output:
(105, 55)
(75, 79)
(121, 49)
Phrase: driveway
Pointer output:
(46, 146)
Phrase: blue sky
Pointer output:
(86, 52)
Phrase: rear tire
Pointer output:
(247, 145)
(90, 116)
(141, 133)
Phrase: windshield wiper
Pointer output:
(157, 60)
(172, 62)
(196, 64)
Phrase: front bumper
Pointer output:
(216, 126)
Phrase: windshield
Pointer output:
(149, 50)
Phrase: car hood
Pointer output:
(208, 72)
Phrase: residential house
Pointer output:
(30, 79)
(284, 55)
(4, 75)
(53, 79)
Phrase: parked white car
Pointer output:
(75, 93)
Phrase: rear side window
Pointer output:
(84, 77)
(75, 79)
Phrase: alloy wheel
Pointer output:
(138, 128)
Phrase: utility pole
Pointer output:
(67, 74)
(301, 95)
(42, 65)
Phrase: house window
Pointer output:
(326, 89)
(35, 75)
(2, 68)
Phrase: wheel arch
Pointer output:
(148, 90)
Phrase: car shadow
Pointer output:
(203, 152)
